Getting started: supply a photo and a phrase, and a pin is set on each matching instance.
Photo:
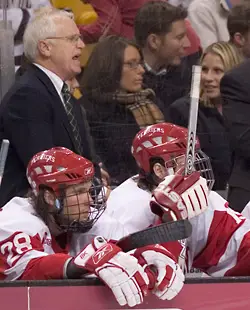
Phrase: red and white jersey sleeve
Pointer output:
(23, 237)
(220, 240)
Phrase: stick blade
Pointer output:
(166, 232)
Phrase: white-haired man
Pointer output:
(37, 113)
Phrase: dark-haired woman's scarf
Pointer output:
(142, 105)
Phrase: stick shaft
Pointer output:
(192, 124)
(3, 156)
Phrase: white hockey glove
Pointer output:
(165, 275)
(120, 271)
(180, 197)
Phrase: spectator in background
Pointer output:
(238, 25)
(19, 13)
(235, 91)
(209, 19)
(116, 104)
(117, 17)
(160, 31)
(37, 113)
(217, 59)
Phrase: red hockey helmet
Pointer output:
(168, 142)
(58, 166)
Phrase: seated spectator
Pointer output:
(235, 91)
(160, 31)
(217, 59)
(239, 28)
(116, 104)
(209, 19)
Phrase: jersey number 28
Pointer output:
(20, 244)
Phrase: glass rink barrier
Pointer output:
(7, 66)
(198, 293)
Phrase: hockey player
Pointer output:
(219, 244)
(35, 233)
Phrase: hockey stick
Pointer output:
(192, 123)
(166, 232)
(3, 155)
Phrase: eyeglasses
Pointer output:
(74, 38)
(134, 64)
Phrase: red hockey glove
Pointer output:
(165, 275)
(120, 271)
(180, 197)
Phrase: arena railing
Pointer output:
(198, 293)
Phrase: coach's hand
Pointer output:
(180, 197)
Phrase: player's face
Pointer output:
(212, 72)
(132, 70)
(173, 166)
(77, 202)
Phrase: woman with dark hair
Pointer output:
(116, 104)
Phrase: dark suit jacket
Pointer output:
(33, 118)
(235, 90)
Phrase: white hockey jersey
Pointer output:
(25, 237)
(220, 240)
(130, 206)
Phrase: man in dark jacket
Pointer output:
(37, 113)
(160, 30)
(235, 90)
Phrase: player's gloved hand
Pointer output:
(165, 275)
(180, 197)
(120, 271)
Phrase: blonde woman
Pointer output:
(217, 59)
